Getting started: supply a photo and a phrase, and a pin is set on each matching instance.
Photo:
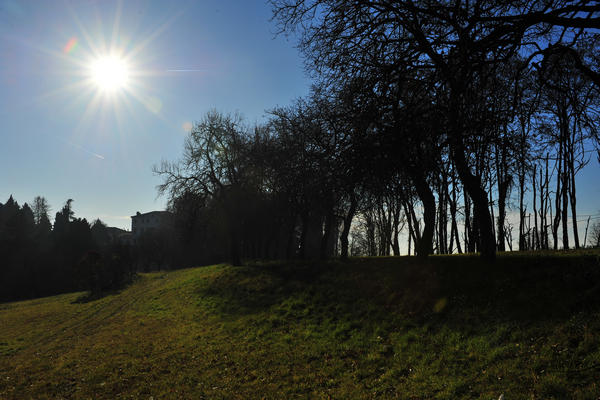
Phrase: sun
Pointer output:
(109, 73)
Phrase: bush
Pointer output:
(99, 273)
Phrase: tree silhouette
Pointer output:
(463, 45)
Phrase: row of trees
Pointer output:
(39, 258)
(494, 71)
(432, 117)
(305, 185)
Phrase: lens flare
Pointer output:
(70, 46)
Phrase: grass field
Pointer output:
(527, 327)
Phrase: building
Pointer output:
(150, 221)
(118, 236)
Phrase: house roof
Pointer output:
(151, 213)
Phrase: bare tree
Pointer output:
(41, 209)
(215, 164)
(465, 45)
(595, 235)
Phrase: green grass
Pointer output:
(528, 327)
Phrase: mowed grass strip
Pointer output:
(527, 326)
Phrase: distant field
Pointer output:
(527, 327)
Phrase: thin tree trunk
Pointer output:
(565, 206)
(491, 208)
(536, 238)
(409, 238)
(409, 210)
(572, 194)
(371, 234)
(468, 225)
(443, 214)
(542, 213)
(395, 243)
(502, 195)
(564, 128)
(328, 232)
(522, 245)
(347, 222)
(388, 241)
(557, 213)
(455, 225)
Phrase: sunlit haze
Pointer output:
(93, 94)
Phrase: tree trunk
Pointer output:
(503, 182)
(492, 216)
(546, 204)
(556, 221)
(410, 227)
(473, 187)
(468, 224)
(502, 194)
(522, 245)
(564, 129)
(396, 230)
(372, 246)
(413, 225)
(453, 207)
(565, 204)
(572, 195)
(543, 227)
(347, 222)
(424, 246)
(327, 235)
(536, 238)
(443, 214)
(409, 239)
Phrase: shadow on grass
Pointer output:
(90, 296)
(456, 291)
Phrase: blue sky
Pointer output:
(59, 139)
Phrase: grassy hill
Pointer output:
(527, 327)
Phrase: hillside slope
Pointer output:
(370, 328)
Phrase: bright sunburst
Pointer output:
(109, 73)
(105, 71)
